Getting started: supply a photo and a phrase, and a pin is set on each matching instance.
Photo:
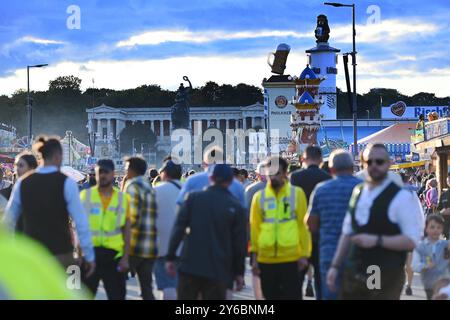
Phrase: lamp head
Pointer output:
(39, 65)
(334, 4)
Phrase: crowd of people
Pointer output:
(353, 234)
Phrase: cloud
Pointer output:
(6, 49)
(39, 40)
(385, 31)
(388, 30)
(156, 37)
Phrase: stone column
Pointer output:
(161, 129)
(119, 127)
(99, 128)
(152, 125)
(109, 129)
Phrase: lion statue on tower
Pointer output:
(322, 30)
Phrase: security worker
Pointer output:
(280, 239)
(108, 212)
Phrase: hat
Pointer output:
(171, 168)
(106, 164)
(222, 173)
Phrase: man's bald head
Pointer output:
(379, 146)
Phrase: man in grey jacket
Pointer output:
(212, 226)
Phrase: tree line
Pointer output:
(63, 105)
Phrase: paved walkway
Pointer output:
(133, 290)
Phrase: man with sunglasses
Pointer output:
(383, 223)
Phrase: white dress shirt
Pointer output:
(166, 195)
(404, 210)
(446, 290)
(74, 208)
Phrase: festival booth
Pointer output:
(7, 162)
(435, 140)
(4, 159)
(397, 139)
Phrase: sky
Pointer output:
(122, 44)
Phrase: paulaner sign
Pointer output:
(395, 111)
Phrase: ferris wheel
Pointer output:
(22, 143)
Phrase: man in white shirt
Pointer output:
(444, 292)
(46, 198)
(166, 205)
(383, 223)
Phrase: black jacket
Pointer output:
(6, 192)
(307, 179)
(212, 226)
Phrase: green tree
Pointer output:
(140, 134)
(65, 84)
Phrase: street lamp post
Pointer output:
(353, 53)
(29, 108)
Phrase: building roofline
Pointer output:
(125, 110)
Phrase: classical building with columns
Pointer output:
(105, 123)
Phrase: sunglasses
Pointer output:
(378, 162)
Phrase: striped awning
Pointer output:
(393, 148)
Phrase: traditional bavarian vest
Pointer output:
(44, 211)
(378, 224)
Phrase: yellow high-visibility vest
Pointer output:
(279, 235)
(106, 225)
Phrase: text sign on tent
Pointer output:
(395, 112)
(436, 129)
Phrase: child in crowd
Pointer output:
(432, 196)
(431, 257)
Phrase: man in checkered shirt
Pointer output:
(143, 246)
